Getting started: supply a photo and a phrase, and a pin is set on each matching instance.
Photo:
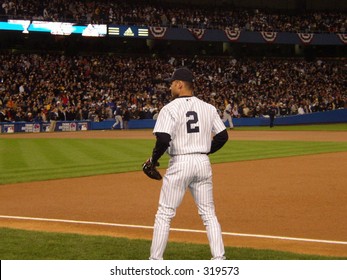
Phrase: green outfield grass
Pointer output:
(24, 160)
(314, 127)
(21, 244)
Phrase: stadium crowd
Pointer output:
(32, 86)
(158, 13)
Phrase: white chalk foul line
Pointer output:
(175, 229)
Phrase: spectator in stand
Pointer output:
(147, 113)
(301, 110)
(126, 118)
(3, 117)
(53, 117)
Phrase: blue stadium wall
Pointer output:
(336, 116)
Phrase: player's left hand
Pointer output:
(149, 168)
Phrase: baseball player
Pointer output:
(227, 115)
(183, 129)
(118, 117)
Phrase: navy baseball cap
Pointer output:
(181, 74)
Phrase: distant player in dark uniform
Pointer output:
(118, 115)
(272, 113)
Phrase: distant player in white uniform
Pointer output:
(227, 115)
(118, 117)
(184, 129)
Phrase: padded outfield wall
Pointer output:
(336, 116)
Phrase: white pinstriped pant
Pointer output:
(193, 171)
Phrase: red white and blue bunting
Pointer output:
(233, 35)
(305, 38)
(158, 32)
(269, 37)
(197, 32)
(343, 37)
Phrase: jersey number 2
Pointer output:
(192, 126)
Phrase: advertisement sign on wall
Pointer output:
(8, 128)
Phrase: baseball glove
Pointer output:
(149, 168)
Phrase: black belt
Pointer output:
(189, 154)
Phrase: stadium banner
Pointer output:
(83, 126)
(67, 28)
(55, 28)
(66, 126)
(8, 128)
(168, 33)
(45, 127)
(15, 25)
(30, 127)
(26, 127)
(73, 126)
(128, 31)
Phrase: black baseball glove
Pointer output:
(149, 168)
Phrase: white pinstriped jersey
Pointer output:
(191, 123)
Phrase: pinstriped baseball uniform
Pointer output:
(227, 115)
(190, 122)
